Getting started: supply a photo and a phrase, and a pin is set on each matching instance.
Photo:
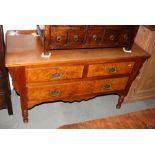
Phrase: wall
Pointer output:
(18, 27)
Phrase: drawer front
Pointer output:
(76, 37)
(94, 37)
(109, 69)
(58, 39)
(53, 73)
(2, 100)
(111, 37)
(59, 91)
(124, 37)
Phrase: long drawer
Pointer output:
(42, 74)
(58, 91)
(109, 69)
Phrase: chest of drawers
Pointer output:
(68, 75)
(86, 36)
(5, 101)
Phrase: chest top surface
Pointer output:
(24, 49)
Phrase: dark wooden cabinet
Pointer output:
(86, 36)
(5, 100)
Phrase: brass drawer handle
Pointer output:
(56, 76)
(106, 87)
(112, 70)
(76, 38)
(54, 92)
(94, 37)
(58, 38)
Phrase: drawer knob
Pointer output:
(76, 38)
(125, 37)
(106, 87)
(94, 37)
(58, 38)
(112, 37)
(55, 92)
(112, 70)
(56, 76)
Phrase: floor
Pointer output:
(54, 115)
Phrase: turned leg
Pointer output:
(25, 115)
(120, 101)
(24, 111)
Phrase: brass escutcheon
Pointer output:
(112, 70)
(55, 92)
(56, 76)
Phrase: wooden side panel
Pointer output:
(110, 69)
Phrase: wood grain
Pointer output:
(41, 74)
(26, 50)
(43, 92)
(87, 36)
(110, 69)
(68, 75)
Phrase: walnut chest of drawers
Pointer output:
(68, 75)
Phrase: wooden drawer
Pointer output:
(41, 74)
(76, 37)
(59, 91)
(110, 69)
(94, 37)
(58, 39)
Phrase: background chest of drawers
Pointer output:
(86, 36)
(5, 101)
(68, 75)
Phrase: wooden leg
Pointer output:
(24, 111)
(120, 101)
(25, 116)
(10, 111)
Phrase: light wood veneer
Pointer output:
(68, 75)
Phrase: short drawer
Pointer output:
(110, 69)
(59, 91)
(42, 74)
